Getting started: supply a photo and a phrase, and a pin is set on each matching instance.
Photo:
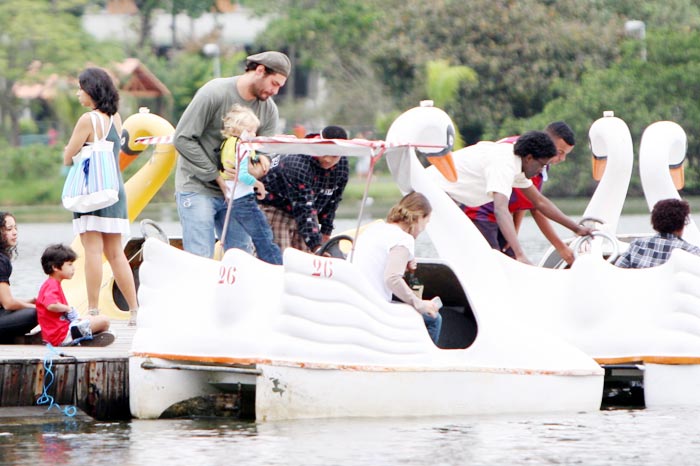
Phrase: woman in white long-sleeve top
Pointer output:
(385, 251)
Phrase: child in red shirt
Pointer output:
(60, 325)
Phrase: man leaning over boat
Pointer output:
(488, 172)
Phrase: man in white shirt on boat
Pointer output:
(488, 171)
(483, 216)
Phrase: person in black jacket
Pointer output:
(303, 194)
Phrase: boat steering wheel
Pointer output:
(579, 243)
(590, 221)
(150, 229)
(332, 247)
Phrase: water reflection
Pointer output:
(597, 438)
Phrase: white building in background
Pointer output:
(236, 28)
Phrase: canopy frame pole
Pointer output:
(374, 158)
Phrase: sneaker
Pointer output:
(100, 339)
(80, 328)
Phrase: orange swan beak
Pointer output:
(445, 165)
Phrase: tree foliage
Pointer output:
(517, 49)
(37, 32)
(665, 87)
(529, 61)
(332, 39)
(535, 61)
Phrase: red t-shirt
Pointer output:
(518, 201)
(54, 325)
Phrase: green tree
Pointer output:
(192, 8)
(665, 87)
(517, 48)
(442, 85)
(332, 39)
(373, 53)
(183, 73)
(34, 32)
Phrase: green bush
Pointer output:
(33, 174)
(28, 126)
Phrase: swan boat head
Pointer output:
(662, 152)
(431, 133)
(146, 182)
(613, 157)
(612, 161)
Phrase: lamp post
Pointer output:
(212, 51)
(637, 30)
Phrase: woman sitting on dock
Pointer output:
(385, 251)
(17, 317)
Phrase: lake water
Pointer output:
(621, 438)
(617, 437)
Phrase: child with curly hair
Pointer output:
(669, 218)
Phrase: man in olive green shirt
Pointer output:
(200, 203)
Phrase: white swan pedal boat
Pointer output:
(311, 338)
(643, 326)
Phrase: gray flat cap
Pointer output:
(276, 61)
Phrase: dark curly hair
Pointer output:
(5, 248)
(670, 215)
(56, 255)
(535, 143)
(101, 89)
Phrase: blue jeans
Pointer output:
(202, 219)
(254, 222)
(434, 325)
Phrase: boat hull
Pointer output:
(287, 392)
(671, 385)
(298, 391)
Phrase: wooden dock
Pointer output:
(95, 380)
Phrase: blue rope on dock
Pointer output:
(45, 398)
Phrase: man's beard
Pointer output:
(258, 93)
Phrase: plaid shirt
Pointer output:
(653, 251)
(299, 186)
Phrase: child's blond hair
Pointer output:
(237, 119)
